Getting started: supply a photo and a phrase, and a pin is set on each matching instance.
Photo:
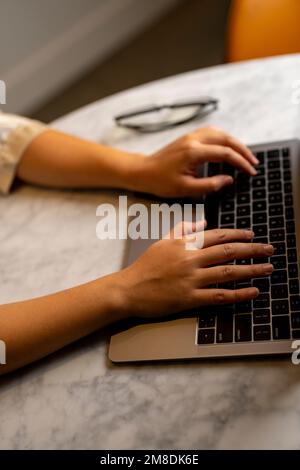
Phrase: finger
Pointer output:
(223, 138)
(199, 186)
(185, 228)
(218, 236)
(225, 296)
(239, 147)
(230, 251)
(228, 273)
(220, 153)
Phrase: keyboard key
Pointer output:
(227, 218)
(275, 198)
(295, 319)
(286, 163)
(243, 222)
(260, 156)
(262, 301)
(243, 328)
(281, 327)
(288, 199)
(206, 336)
(262, 284)
(279, 277)
(288, 188)
(274, 186)
(243, 211)
(261, 316)
(206, 320)
(243, 262)
(273, 153)
(279, 262)
(292, 255)
(258, 206)
(262, 333)
(275, 209)
(279, 248)
(276, 222)
(224, 328)
(259, 182)
(277, 235)
(280, 307)
(290, 226)
(291, 240)
(243, 285)
(293, 270)
(228, 169)
(274, 175)
(243, 186)
(273, 164)
(259, 218)
(259, 194)
(279, 291)
(296, 334)
(227, 206)
(228, 192)
(287, 175)
(243, 198)
(244, 307)
(289, 213)
(263, 260)
(295, 302)
(285, 152)
(260, 171)
(294, 286)
(263, 240)
(260, 230)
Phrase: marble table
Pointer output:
(77, 399)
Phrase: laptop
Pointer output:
(269, 203)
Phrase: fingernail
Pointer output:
(249, 233)
(268, 249)
(253, 171)
(268, 268)
(255, 160)
(255, 291)
(228, 180)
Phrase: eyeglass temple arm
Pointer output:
(149, 109)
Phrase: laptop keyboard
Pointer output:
(263, 203)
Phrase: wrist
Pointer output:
(113, 289)
(134, 173)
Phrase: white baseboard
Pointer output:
(96, 35)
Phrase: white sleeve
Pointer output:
(16, 133)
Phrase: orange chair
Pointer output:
(260, 28)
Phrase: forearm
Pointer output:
(60, 160)
(35, 328)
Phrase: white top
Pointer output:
(16, 133)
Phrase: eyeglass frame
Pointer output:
(166, 125)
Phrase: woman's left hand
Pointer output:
(172, 171)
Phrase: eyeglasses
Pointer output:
(166, 116)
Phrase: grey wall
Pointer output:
(47, 44)
(27, 25)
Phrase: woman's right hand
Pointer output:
(168, 278)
